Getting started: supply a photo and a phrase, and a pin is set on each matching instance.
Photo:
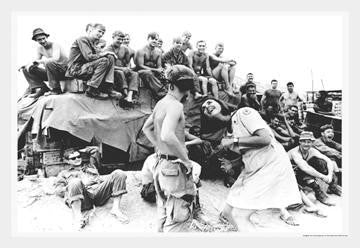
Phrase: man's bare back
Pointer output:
(170, 110)
(165, 127)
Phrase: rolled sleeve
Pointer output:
(250, 119)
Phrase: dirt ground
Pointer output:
(40, 210)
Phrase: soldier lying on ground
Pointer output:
(83, 188)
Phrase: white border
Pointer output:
(212, 13)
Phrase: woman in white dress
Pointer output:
(268, 180)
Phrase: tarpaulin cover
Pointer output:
(88, 118)
(25, 108)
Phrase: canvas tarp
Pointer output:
(88, 118)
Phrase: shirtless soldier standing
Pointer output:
(165, 128)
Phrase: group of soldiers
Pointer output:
(116, 70)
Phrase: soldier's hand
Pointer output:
(111, 53)
(327, 179)
(230, 91)
(159, 70)
(187, 164)
(126, 70)
(227, 141)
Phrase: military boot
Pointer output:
(334, 188)
(320, 195)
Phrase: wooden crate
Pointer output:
(51, 157)
(54, 169)
(52, 162)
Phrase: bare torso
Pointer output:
(151, 56)
(46, 52)
(199, 61)
(161, 109)
(123, 54)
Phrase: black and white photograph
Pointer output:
(159, 122)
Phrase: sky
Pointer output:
(291, 47)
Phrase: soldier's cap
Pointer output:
(326, 127)
(306, 135)
(179, 72)
(181, 76)
(38, 31)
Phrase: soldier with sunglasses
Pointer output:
(83, 188)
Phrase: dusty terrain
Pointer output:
(39, 210)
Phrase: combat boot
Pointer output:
(334, 188)
(39, 92)
(95, 93)
(198, 214)
(320, 195)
